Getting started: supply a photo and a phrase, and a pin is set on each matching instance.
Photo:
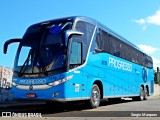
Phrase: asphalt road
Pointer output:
(123, 108)
(108, 109)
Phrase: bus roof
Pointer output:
(95, 22)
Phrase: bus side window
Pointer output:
(99, 42)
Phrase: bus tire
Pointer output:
(95, 96)
(146, 94)
(141, 96)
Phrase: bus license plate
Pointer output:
(31, 95)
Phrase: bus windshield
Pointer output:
(42, 49)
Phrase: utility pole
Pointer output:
(158, 76)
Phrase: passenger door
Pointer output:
(75, 60)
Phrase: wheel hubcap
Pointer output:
(142, 95)
(95, 96)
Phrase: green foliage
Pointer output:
(155, 77)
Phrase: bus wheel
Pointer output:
(95, 96)
(141, 97)
(142, 94)
(146, 94)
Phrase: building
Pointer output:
(5, 77)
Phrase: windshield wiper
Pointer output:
(20, 72)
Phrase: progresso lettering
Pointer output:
(119, 64)
(32, 82)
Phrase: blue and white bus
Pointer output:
(78, 58)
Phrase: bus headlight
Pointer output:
(57, 82)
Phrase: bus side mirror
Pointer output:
(5, 47)
(68, 33)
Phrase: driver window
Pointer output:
(76, 54)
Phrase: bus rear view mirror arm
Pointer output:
(68, 33)
(9, 42)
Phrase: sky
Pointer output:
(138, 20)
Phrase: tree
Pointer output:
(155, 77)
